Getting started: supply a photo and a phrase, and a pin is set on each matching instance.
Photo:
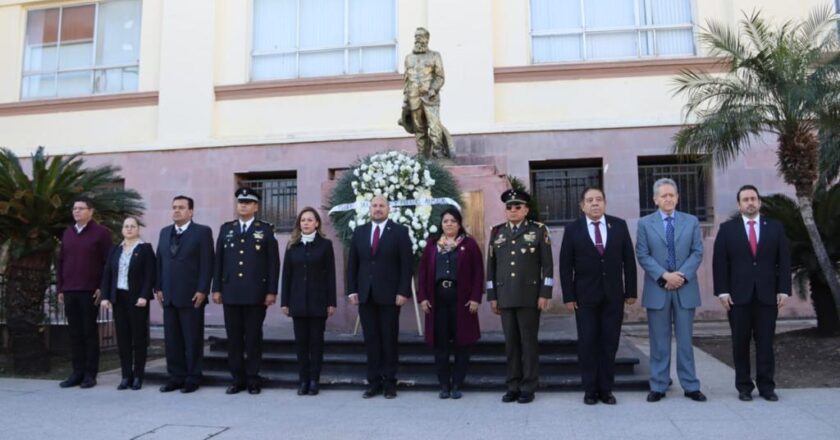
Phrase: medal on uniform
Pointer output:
(524, 250)
(500, 239)
(258, 235)
(533, 249)
(530, 237)
(257, 246)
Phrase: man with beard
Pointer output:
(421, 99)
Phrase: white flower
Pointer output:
(403, 220)
(433, 229)
(352, 224)
(422, 243)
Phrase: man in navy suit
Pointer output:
(598, 276)
(379, 267)
(184, 271)
(751, 268)
(670, 249)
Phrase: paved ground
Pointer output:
(32, 409)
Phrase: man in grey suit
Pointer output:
(669, 249)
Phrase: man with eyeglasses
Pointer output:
(519, 282)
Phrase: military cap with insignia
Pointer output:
(245, 194)
(515, 196)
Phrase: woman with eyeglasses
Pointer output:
(308, 294)
(450, 280)
(127, 283)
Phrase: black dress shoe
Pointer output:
(72, 381)
(137, 383)
(525, 398)
(171, 386)
(189, 388)
(696, 396)
(390, 392)
(234, 388)
(655, 396)
(455, 392)
(314, 387)
(444, 393)
(770, 396)
(303, 388)
(510, 396)
(607, 397)
(124, 384)
(88, 382)
(590, 398)
(744, 396)
(255, 389)
(372, 391)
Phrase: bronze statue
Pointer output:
(421, 99)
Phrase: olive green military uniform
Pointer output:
(519, 272)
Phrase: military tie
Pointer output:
(669, 241)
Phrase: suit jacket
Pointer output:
(247, 266)
(588, 277)
(652, 251)
(309, 278)
(187, 271)
(520, 267)
(469, 286)
(385, 274)
(141, 273)
(739, 274)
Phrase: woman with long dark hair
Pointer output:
(127, 283)
(451, 281)
(308, 294)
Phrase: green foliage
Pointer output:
(36, 207)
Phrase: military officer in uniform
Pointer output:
(245, 281)
(519, 283)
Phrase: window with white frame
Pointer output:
(308, 38)
(82, 49)
(581, 30)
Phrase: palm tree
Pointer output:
(804, 261)
(35, 208)
(783, 81)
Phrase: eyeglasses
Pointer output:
(514, 207)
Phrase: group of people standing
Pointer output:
(597, 270)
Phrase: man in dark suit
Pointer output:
(751, 267)
(379, 267)
(184, 271)
(245, 280)
(598, 276)
(520, 277)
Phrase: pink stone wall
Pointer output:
(208, 175)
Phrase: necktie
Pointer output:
(669, 241)
(375, 243)
(241, 228)
(753, 238)
(179, 230)
(599, 240)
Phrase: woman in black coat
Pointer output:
(127, 283)
(308, 294)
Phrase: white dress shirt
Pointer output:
(591, 229)
(125, 260)
(373, 226)
(182, 228)
(246, 223)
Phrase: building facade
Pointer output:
(199, 96)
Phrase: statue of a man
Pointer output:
(421, 99)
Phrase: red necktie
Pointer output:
(753, 237)
(599, 241)
(375, 243)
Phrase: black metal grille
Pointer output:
(278, 203)
(558, 192)
(691, 183)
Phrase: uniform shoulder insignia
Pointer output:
(496, 228)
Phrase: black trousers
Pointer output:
(183, 330)
(446, 331)
(132, 325)
(381, 325)
(309, 342)
(81, 315)
(521, 325)
(757, 322)
(599, 329)
(243, 324)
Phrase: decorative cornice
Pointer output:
(611, 69)
(59, 105)
(311, 86)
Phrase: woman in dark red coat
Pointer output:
(451, 281)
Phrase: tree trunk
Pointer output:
(828, 321)
(807, 210)
(27, 280)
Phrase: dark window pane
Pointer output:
(558, 191)
(278, 203)
(691, 183)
